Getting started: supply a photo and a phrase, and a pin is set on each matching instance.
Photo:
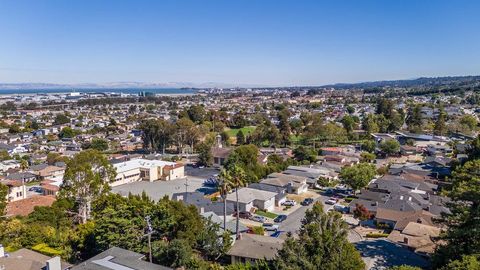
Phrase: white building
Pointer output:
(9, 164)
(147, 170)
(250, 197)
(16, 190)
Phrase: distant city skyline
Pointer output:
(238, 43)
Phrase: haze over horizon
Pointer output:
(267, 43)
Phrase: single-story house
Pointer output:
(417, 236)
(292, 183)
(249, 198)
(281, 196)
(252, 247)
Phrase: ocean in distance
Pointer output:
(164, 91)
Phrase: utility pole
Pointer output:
(186, 188)
(149, 235)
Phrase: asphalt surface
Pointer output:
(203, 173)
(194, 178)
(294, 220)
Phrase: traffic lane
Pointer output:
(294, 220)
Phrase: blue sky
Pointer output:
(241, 42)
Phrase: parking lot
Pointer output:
(156, 190)
(203, 173)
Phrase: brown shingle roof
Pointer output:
(256, 247)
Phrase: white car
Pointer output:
(270, 227)
(331, 201)
(289, 203)
(258, 219)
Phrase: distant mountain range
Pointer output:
(418, 82)
(117, 85)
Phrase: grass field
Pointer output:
(246, 130)
(266, 214)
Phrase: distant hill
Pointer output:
(424, 82)
(117, 85)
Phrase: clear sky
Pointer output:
(241, 42)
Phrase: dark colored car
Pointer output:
(245, 215)
(276, 234)
(307, 201)
(280, 218)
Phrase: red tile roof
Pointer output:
(25, 207)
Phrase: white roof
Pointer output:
(140, 163)
(246, 195)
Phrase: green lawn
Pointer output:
(246, 130)
(266, 214)
(33, 183)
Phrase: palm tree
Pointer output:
(23, 165)
(223, 187)
(237, 181)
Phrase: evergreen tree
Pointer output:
(462, 236)
(241, 137)
(440, 126)
(321, 245)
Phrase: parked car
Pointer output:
(289, 203)
(340, 208)
(329, 192)
(245, 215)
(307, 201)
(35, 189)
(276, 234)
(258, 219)
(270, 227)
(332, 201)
(280, 218)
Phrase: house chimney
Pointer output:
(2, 251)
(54, 264)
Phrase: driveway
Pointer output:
(294, 220)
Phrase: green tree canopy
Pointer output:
(321, 244)
(67, 132)
(462, 221)
(99, 144)
(358, 176)
(390, 147)
(86, 178)
(3, 198)
(61, 119)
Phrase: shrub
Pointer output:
(377, 235)
(45, 249)
(258, 230)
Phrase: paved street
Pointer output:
(294, 220)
